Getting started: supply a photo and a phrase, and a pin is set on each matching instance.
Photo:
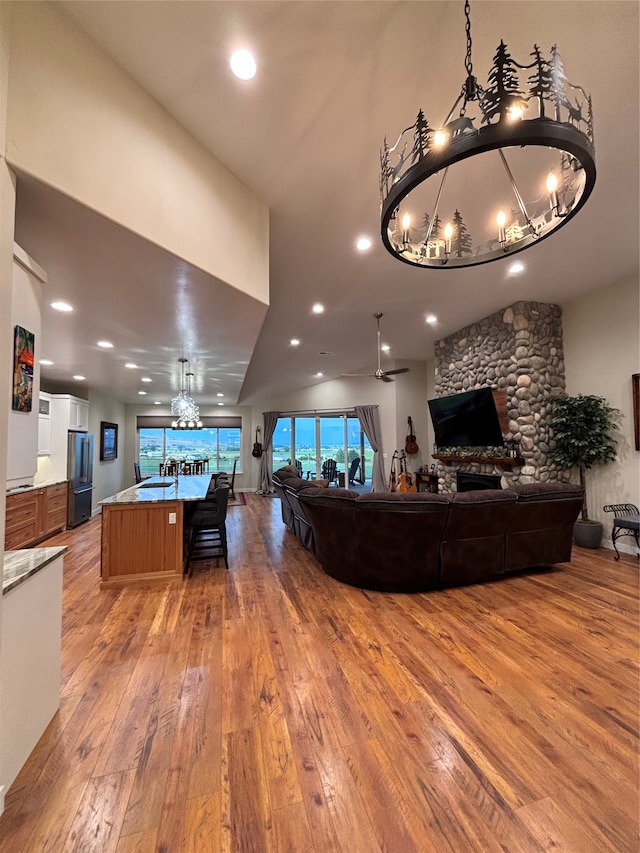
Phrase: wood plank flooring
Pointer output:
(271, 708)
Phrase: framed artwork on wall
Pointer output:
(635, 384)
(108, 441)
(23, 350)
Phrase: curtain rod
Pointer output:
(316, 412)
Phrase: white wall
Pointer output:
(103, 141)
(7, 218)
(602, 350)
(22, 438)
(109, 476)
(411, 401)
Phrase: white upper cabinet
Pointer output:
(44, 424)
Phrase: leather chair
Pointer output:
(398, 538)
(331, 513)
(301, 525)
(473, 542)
(540, 531)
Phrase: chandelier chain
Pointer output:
(467, 62)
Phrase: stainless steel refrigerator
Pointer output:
(80, 476)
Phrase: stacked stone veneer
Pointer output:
(519, 349)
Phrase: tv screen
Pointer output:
(469, 419)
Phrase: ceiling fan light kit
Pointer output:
(533, 125)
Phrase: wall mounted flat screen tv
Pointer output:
(469, 419)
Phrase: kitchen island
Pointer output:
(30, 640)
(143, 535)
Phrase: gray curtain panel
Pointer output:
(370, 423)
(265, 482)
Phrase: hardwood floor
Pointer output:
(271, 708)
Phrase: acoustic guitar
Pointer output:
(393, 475)
(257, 447)
(405, 480)
(411, 445)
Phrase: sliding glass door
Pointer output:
(310, 440)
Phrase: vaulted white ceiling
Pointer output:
(333, 79)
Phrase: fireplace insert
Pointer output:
(467, 482)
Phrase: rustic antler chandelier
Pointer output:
(436, 212)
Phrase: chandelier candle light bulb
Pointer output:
(501, 221)
(406, 224)
(448, 234)
(552, 189)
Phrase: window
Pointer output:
(220, 444)
(312, 439)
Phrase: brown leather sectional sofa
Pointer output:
(407, 542)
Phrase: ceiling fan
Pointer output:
(385, 375)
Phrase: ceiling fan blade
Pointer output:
(363, 375)
(384, 377)
(396, 371)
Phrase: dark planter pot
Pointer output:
(587, 534)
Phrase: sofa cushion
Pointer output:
(546, 491)
(398, 498)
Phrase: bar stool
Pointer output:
(208, 539)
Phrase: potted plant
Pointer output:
(584, 433)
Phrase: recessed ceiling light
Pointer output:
(157, 403)
(363, 243)
(243, 64)
(62, 306)
(516, 267)
(146, 379)
(79, 378)
(131, 365)
(318, 308)
(46, 362)
(295, 342)
(319, 375)
(385, 347)
(105, 344)
(219, 394)
(221, 404)
(142, 393)
(431, 319)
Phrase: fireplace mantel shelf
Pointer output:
(500, 461)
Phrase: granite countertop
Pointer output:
(17, 490)
(20, 565)
(189, 488)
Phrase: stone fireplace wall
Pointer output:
(518, 349)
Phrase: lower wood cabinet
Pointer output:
(32, 516)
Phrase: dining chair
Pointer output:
(232, 480)
(136, 469)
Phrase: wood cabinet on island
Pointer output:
(143, 536)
